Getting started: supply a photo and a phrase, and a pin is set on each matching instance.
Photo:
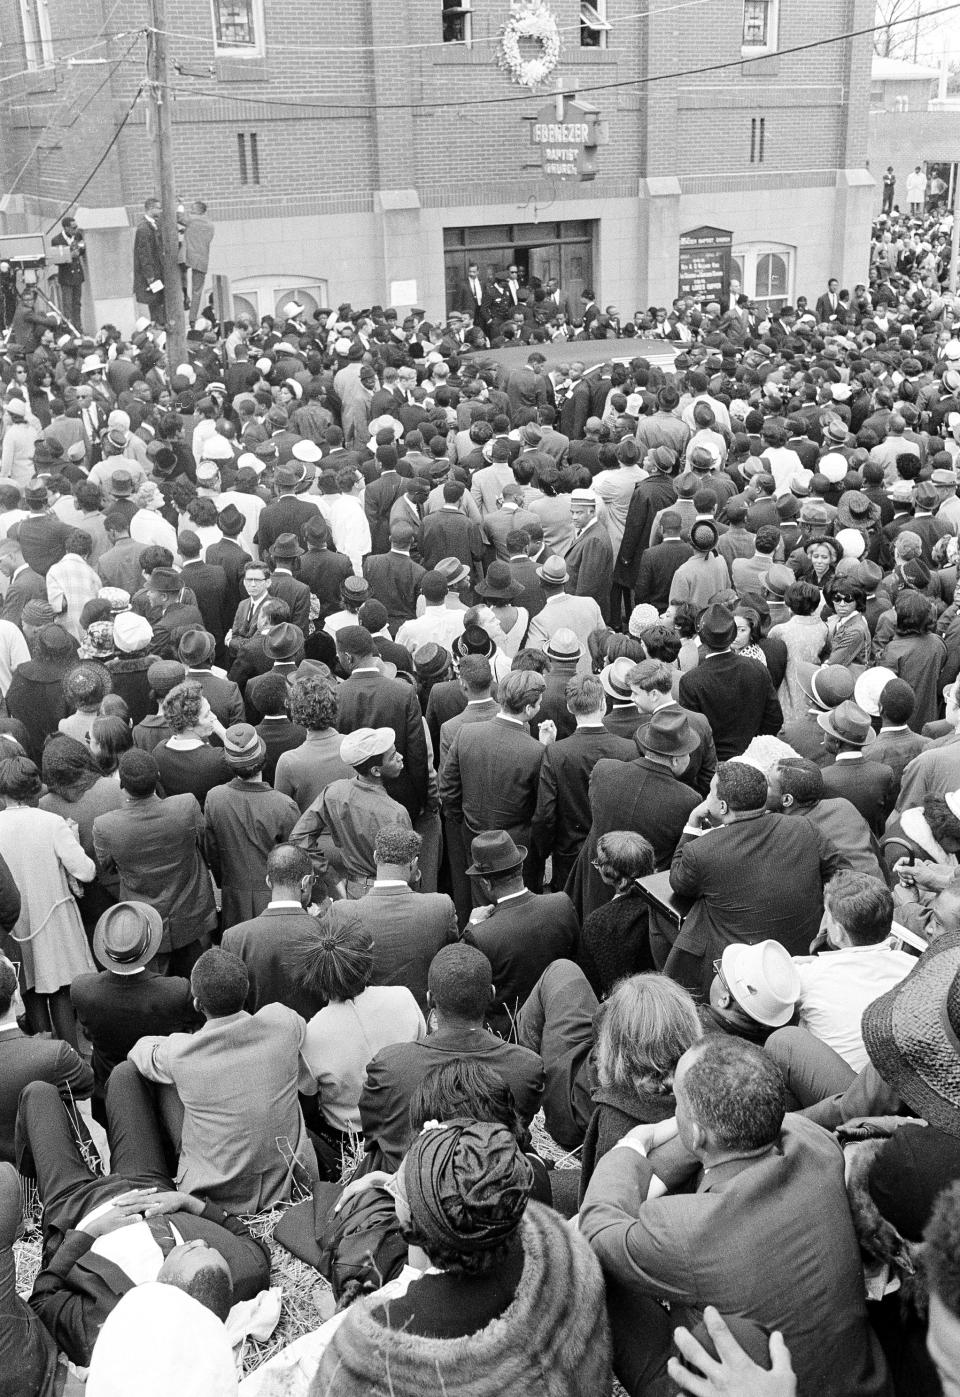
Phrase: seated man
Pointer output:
(856, 961)
(272, 946)
(519, 932)
(459, 993)
(407, 928)
(128, 996)
(103, 1236)
(768, 1187)
(24, 1059)
(242, 1138)
(755, 875)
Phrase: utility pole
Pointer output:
(955, 235)
(158, 95)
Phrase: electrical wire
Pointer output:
(66, 58)
(526, 97)
(111, 143)
(441, 43)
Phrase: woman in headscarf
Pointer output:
(48, 865)
(36, 694)
(510, 1299)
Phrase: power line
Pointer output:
(580, 87)
(67, 58)
(112, 142)
(442, 43)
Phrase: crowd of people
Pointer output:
(507, 820)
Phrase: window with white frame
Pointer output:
(267, 295)
(765, 272)
(238, 28)
(456, 21)
(760, 25)
(37, 35)
(593, 24)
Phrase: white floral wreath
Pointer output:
(529, 19)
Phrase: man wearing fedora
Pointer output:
(288, 513)
(646, 795)
(284, 554)
(129, 996)
(563, 816)
(623, 719)
(243, 821)
(590, 558)
(520, 932)
(322, 568)
(195, 652)
(751, 875)
(43, 536)
(283, 649)
(564, 653)
(168, 611)
(490, 777)
(869, 786)
(561, 611)
(825, 686)
(651, 689)
(208, 583)
(734, 694)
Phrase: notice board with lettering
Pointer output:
(705, 264)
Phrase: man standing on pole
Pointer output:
(148, 287)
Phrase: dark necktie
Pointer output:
(162, 1233)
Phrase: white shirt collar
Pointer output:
(390, 883)
(284, 902)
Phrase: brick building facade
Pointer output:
(369, 160)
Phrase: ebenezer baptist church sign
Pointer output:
(568, 132)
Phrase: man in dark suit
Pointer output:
(460, 992)
(659, 564)
(380, 496)
(491, 775)
(719, 676)
(519, 932)
(322, 568)
(624, 716)
(195, 652)
(449, 533)
(590, 559)
(288, 513)
(645, 795)
(369, 699)
(148, 286)
(208, 582)
(523, 567)
(283, 555)
(24, 585)
(651, 687)
(394, 577)
(576, 406)
(407, 928)
(24, 1060)
(829, 305)
(272, 945)
(470, 297)
(870, 786)
(230, 556)
(752, 875)
(128, 997)
(78, 1286)
(283, 650)
(649, 498)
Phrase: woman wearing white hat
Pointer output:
(18, 435)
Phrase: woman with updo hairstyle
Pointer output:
(83, 688)
(508, 1293)
(357, 1021)
(48, 865)
(917, 655)
(109, 739)
(187, 761)
(615, 938)
(804, 636)
(850, 641)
